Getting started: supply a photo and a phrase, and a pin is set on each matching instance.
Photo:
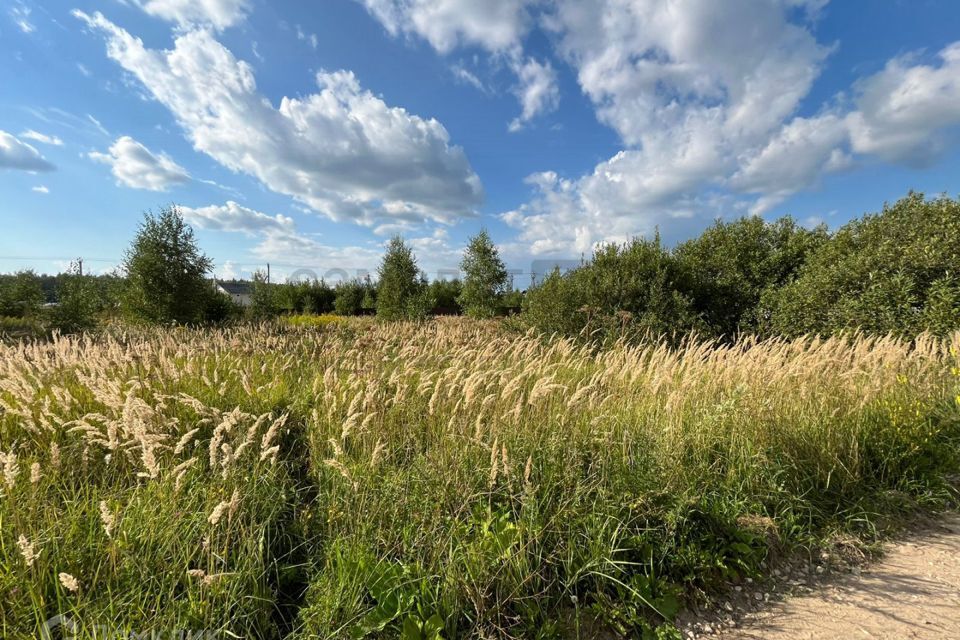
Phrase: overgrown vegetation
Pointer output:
(895, 271)
(354, 478)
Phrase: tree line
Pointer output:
(894, 271)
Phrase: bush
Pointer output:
(309, 296)
(263, 298)
(636, 288)
(354, 297)
(896, 271)
(732, 265)
(79, 300)
(21, 294)
(446, 297)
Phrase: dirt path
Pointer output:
(913, 591)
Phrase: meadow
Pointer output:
(447, 479)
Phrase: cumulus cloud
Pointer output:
(705, 104)
(495, 25)
(342, 151)
(218, 14)
(16, 154)
(30, 134)
(40, 189)
(537, 90)
(901, 109)
(135, 166)
(235, 217)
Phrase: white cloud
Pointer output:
(311, 37)
(795, 158)
(495, 25)
(235, 217)
(468, 77)
(20, 14)
(135, 166)
(40, 189)
(218, 14)
(537, 90)
(342, 151)
(30, 134)
(705, 101)
(901, 109)
(16, 154)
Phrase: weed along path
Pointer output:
(913, 592)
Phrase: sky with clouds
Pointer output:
(305, 134)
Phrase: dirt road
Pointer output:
(912, 592)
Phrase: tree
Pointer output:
(166, 271)
(79, 300)
(401, 293)
(733, 264)
(485, 277)
(446, 296)
(349, 297)
(21, 295)
(637, 288)
(896, 271)
(264, 296)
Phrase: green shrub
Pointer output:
(896, 271)
(636, 288)
(79, 300)
(732, 265)
(354, 297)
(21, 294)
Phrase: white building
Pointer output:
(240, 292)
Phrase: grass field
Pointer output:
(452, 479)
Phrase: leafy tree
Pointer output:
(733, 264)
(402, 293)
(485, 278)
(166, 271)
(446, 296)
(350, 296)
(896, 271)
(264, 298)
(79, 300)
(21, 295)
(637, 288)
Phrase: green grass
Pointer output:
(446, 480)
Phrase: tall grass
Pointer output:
(442, 480)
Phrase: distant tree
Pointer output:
(485, 279)
(79, 300)
(446, 296)
(264, 298)
(733, 264)
(349, 297)
(166, 271)
(21, 294)
(402, 293)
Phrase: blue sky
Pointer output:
(304, 134)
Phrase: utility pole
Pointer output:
(268, 273)
(80, 265)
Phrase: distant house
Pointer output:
(240, 292)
